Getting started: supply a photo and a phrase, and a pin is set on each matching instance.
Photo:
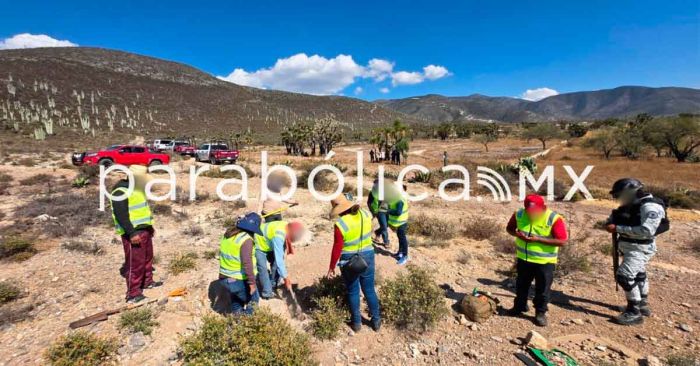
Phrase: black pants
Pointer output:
(543, 275)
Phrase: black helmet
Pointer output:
(625, 184)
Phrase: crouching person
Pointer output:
(270, 248)
(354, 254)
(237, 267)
(538, 232)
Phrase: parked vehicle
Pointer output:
(121, 154)
(184, 148)
(216, 153)
(161, 144)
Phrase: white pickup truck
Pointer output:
(216, 153)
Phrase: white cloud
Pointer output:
(379, 69)
(26, 40)
(538, 94)
(406, 78)
(301, 73)
(320, 75)
(384, 90)
(433, 72)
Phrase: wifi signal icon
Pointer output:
(490, 179)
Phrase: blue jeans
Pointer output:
(266, 278)
(403, 239)
(365, 281)
(383, 227)
(241, 298)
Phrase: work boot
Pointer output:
(376, 325)
(355, 327)
(632, 315)
(515, 311)
(135, 299)
(153, 284)
(644, 307)
(540, 319)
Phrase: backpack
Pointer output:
(630, 215)
(477, 308)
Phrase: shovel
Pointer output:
(296, 310)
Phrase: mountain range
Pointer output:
(588, 105)
(82, 91)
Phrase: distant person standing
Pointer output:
(133, 220)
(371, 156)
(444, 158)
(539, 233)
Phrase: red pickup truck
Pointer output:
(215, 153)
(121, 154)
(184, 148)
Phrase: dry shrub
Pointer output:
(9, 291)
(260, 339)
(2, 215)
(82, 348)
(678, 197)
(681, 359)
(324, 181)
(42, 178)
(412, 301)
(432, 227)
(162, 209)
(76, 212)
(325, 287)
(6, 178)
(15, 312)
(503, 243)
(16, 248)
(28, 162)
(138, 320)
(4, 188)
(193, 230)
(327, 318)
(210, 254)
(572, 260)
(183, 262)
(481, 228)
(463, 257)
(694, 245)
(83, 246)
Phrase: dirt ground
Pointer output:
(62, 286)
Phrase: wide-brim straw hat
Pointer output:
(340, 204)
(141, 175)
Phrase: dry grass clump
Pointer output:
(431, 227)
(162, 209)
(9, 291)
(681, 359)
(138, 320)
(571, 260)
(481, 228)
(42, 178)
(83, 246)
(76, 212)
(193, 230)
(324, 181)
(412, 301)
(260, 339)
(28, 162)
(16, 248)
(6, 178)
(503, 243)
(82, 348)
(183, 262)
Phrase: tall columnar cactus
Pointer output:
(39, 134)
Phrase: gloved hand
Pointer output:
(288, 284)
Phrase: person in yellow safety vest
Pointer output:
(539, 233)
(353, 244)
(270, 248)
(133, 221)
(237, 264)
(398, 221)
(379, 210)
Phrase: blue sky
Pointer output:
(487, 47)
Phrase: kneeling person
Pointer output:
(538, 232)
(237, 267)
(270, 248)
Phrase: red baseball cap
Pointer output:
(534, 203)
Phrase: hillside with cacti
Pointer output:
(83, 93)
